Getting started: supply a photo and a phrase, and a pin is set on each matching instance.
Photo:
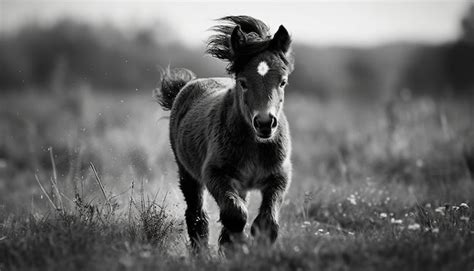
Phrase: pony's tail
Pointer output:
(172, 81)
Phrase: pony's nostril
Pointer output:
(274, 122)
(256, 123)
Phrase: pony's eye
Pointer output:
(283, 83)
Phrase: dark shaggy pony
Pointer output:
(230, 135)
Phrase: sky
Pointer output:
(350, 22)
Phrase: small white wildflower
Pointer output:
(383, 215)
(455, 208)
(145, 254)
(464, 218)
(419, 163)
(321, 232)
(440, 210)
(352, 199)
(435, 230)
(307, 223)
(414, 226)
(396, 221)
(464, 205)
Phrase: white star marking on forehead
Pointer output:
(262, 68)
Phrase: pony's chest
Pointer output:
(255, 168)
(251, 176)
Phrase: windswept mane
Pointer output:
(257, 39)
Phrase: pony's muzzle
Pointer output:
(264, 125)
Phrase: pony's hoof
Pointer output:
(239, 238)
(264, 230)
(199, 250)
(236, 242)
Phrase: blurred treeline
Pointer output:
(70, 53)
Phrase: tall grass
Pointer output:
(87, 182)
(87, 233)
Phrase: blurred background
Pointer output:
(381, 95)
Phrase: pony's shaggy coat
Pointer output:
(213, 135)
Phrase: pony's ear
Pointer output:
(237, 38)
(281, 40)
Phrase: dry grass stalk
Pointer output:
(46, 194)
(97, 178)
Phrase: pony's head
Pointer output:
(261, 65)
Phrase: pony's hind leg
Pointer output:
(196, 217)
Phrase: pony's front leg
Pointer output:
(265, 226)
(233, 212)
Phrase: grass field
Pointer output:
(377, 186)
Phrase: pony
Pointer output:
(230, 135)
